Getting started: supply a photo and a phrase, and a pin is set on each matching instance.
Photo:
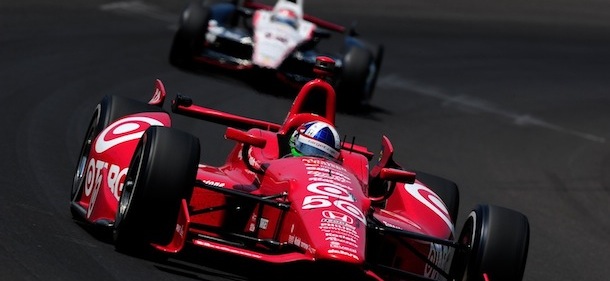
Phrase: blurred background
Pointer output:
(509, 99)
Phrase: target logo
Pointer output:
(124, 130)
(429, 199)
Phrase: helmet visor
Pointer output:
(311, 147)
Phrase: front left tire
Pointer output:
(161, 174)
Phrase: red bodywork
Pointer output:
(284, 209)
(108, 163)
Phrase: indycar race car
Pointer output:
(278, 39)
(141, 179)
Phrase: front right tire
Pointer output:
(497, 240)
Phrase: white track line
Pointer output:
(140, 8)
(396, 82)
(390, 81)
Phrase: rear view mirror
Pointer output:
(386, 173)
(245, 137)
(385, 158)
(396, 175)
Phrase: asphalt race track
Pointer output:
(510, 99)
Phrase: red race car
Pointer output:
(290, 193)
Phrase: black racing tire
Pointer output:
(445, 189)
(498, 239)
(354, 83)
(162, 172)
(109, 109)
(380, 52)
(188, 39)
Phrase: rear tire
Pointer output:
(355, 81)
(378, 60)
(498, 239)
(189, 38)
(162, 172)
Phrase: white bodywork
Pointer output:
(278, 32)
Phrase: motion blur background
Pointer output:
(507, 98)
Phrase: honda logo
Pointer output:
(337, 216)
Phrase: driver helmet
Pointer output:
(316, 138)
(286, 16)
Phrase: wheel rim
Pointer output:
(81, 166)
(129, 186)
(467, 239)
(371, 80)
(78, 176)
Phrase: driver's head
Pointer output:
(316, 138)
(287, 13)
(286, 16)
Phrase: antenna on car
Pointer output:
(352, 30)
(351, 147)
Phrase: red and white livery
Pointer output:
(142, 179)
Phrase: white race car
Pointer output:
(280, 39)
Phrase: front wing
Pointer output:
(272, 250)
